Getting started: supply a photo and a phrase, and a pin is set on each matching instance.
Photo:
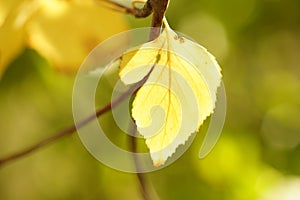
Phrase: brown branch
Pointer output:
(146, 187)
(144, 12)
(68, 131)
(158, 7)
(147, 190)
(71, 129)
(140, 176)
(137, 12)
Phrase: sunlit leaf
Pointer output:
(179, 66)
(6, 7)
(64, 32)
(12, 30)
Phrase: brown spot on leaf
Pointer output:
(181, 40)
(175, 37)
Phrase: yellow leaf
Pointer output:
(179, 94)
(65, 32)
(12, 31)
(6, 7)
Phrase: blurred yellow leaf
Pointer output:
(12, 30)
(183, 83)
(6, 7)
(64, 32)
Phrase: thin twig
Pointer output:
(137, 12)
(141, 177)
(147, 190)
(157, 7)
(68, 131)
(71, 129)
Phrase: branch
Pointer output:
(158, 7)
(140, 176)
(68, 131)
(146, 188)
(137, 12)
(71, 129)
(144, 12)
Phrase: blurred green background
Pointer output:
(257, 44)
